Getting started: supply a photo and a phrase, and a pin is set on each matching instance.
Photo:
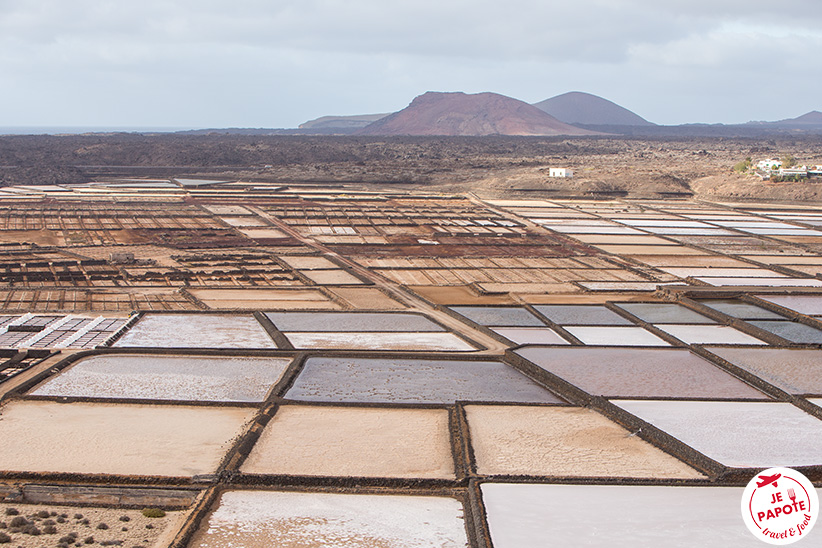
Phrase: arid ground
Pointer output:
(489, 166)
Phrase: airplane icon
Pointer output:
(767, 480)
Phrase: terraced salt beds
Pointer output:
(261, 519)
(160, 377)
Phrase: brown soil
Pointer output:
(125, 527)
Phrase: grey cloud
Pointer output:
(258, 62)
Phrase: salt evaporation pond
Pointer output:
(595, 335)
(432, 342)
(413, 381)
(737, 434)
(307, 440)
(639, 372)
(530, 335)
(664, 313)
(158, 377)
(563, 441)
(617, 516)
(792, 331)
(499, 316)
(196, 331)
(125, 439)
(351, 322)
(708, 334)
(261, 519)
(581, 314)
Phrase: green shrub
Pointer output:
(153, 513)
(743, 166)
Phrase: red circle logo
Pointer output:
(780, 506)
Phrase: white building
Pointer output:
(560, 172)
(800, 172)
(769, 165)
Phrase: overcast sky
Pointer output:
(277, 63)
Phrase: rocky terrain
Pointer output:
(492, 165)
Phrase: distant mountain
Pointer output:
(812, 119)
(458, 113)
(576, 107)
(342, 122)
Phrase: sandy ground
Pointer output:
(563, 441)
(191, 378)
(261, 519)
(128, 527)
(115, 438)
(350, 441)
(738, 434)
(523, 516)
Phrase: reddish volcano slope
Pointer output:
(435, 113)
